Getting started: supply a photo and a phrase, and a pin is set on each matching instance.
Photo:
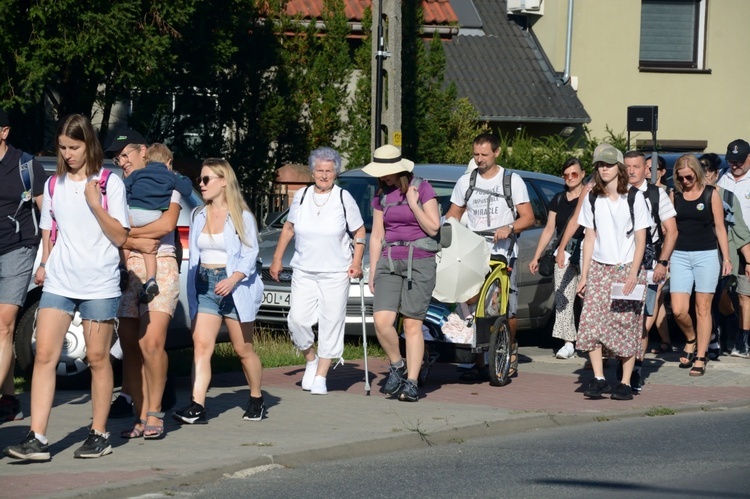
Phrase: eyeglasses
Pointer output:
(686, 178)
(204, 180)
(604, 165)
(570, 176)
(123, 156)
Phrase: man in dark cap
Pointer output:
(21, 185)
(738, 182)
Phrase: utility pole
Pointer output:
(386, 73)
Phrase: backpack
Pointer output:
(507, 191)
(26, 171)
(103, 179)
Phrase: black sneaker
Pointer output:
(120, 408)
(10, 409)
(395, 379)
(636, 382)
(30, 448)
(408, 391)
(94, 446)
(596, 388)
(622, 392)
(149, 291)
(255, 409)
(192, 414)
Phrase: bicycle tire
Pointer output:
(499, 352)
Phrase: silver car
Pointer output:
(72, 361)
(536, 293)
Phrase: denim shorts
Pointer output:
(100, 309)
(701, 268)
(15, 274)
(208, 301)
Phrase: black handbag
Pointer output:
(547, 263)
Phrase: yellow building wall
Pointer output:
(713, 107)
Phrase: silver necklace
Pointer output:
(324, 202)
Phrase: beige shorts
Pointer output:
(168, 279)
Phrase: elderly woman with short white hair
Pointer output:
(322, 220)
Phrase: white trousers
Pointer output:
(319, 297)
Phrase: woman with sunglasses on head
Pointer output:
(223, 286)
(78, 273)
(612, 252)
(143, 326)
(700, 256)
(561, 209)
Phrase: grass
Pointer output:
(660, 411)
(274, 348)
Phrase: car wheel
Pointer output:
(72, 363)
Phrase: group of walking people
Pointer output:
(633, 236)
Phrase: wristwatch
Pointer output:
(512, 229)
(663, 262)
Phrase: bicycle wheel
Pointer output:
(500, 352)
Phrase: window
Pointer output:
(538, 206)
(673, 34)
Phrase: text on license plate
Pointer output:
(276, 299)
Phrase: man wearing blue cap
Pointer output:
(21, 184)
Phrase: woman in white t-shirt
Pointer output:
(78, 273)
(612, 253)
(223, 286)
(320, 220)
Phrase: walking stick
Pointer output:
(364, 332)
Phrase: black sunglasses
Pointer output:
(204, 180)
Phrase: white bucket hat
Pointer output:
(387, 160)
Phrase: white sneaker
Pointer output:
(310, 369)
(319, 386)
(566, 352)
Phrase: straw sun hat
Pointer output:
(387, 160)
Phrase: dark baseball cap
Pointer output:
(123, 138)
(737, 150)
(4, 121)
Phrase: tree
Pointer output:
(356, 146)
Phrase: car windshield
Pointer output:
(363, 190)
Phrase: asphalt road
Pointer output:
(687, 455)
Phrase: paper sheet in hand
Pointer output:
(636, 294)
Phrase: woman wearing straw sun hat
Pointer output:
(403, 244)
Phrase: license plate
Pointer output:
(276, 299)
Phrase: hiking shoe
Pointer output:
(395, 379)
(30, 448)
(408, 392)
(596, 388)
(741, 348)
(255, 409)
(192, 414)
(636, 382)
(566, 352)
(622, 392)
(95, 446)
(120, 408)
(149, 291)
(310, 369)
(10, 409)
(319, 386)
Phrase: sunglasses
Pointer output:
(686, 178)
(204, 180)
(571, 175)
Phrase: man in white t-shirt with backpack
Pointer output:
(495, 200)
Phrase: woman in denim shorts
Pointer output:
(223, 286)
(405, 218)
(695, 261)
(78, 273)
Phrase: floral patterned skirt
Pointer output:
(617, 325)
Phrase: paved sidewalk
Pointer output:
(301, 427)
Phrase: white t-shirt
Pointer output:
(83, 263)
(486, 211)
(666, 209)
(741, 189)
(321, 243)
(613, 244)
